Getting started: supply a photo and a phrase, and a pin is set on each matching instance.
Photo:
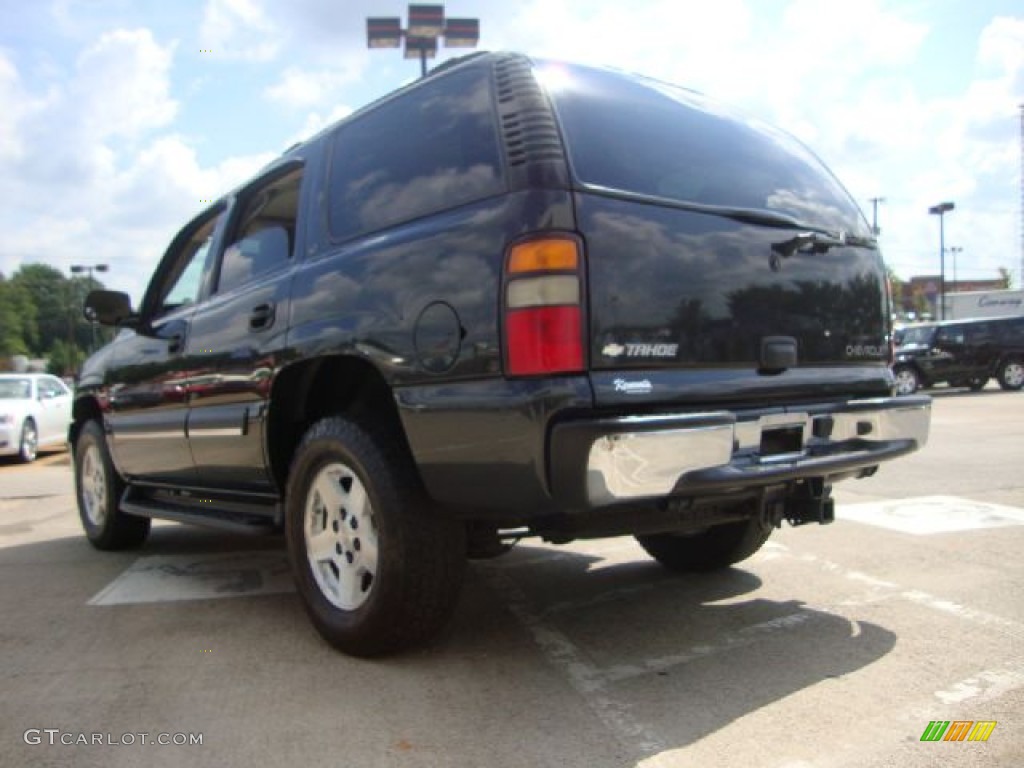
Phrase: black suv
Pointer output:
(514, 298)
(962, 353)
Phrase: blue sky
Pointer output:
(118, 117)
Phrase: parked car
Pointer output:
(35, 412)
(962, 353)
(514, 298)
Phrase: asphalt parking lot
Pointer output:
(833, 646)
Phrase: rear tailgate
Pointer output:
(686, 305)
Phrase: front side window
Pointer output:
(264, 235)
(182, 283)
(430, 149)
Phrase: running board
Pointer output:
(209, 511)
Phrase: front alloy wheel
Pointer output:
(98, 489)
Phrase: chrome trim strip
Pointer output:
(214, 431)
(162, 435)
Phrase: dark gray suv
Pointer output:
(962, 353)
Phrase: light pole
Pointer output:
(426, 24)
(874, 214)
(941, 210)
(88, 269)
(955, 249)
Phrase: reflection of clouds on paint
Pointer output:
(398, 201)
(715, 292)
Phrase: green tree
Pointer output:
(64, 359)
(17, 319)
(49, 294)
(56, 326)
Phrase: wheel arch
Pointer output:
(309, 390)
(83, 409)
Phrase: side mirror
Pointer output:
(109, 308)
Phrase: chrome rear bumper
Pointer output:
(631, 458)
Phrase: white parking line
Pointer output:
(587, 680)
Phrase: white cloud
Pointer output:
(121, 87)
(303, 88)
(85, 173)
(315, 122)
(238, 29)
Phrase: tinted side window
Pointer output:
(264, 234)
(979, 333)
(953, 334)
(182, 282)
(427, 150)
(1012, 331)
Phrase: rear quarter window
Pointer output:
(430, 149)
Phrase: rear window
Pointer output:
(651, 138)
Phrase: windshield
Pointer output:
(643, 136)
(15, 389)
(921, 335)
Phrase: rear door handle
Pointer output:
(261, 317)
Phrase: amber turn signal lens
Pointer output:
(550, 254)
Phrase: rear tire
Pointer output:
(378, 567)
(98, 489)
(977, 383)
(1011, 374)
(28, 445)
(907, 380)
(717, 547)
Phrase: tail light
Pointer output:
(543, 306)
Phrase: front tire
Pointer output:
(718, 547)
(378, 568)
(28, 445)
(1011, 374)
(907, 380)
(98, 489)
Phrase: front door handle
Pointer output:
(262, 317)
(175, 343)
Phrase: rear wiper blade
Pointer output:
(820, 242)
(758, 216)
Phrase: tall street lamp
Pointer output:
(874, 214)
(955, 249)
(941, 210)
(88, 269)
(427, 23)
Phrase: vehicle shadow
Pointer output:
(575, 647)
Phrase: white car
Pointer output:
(35, 412)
